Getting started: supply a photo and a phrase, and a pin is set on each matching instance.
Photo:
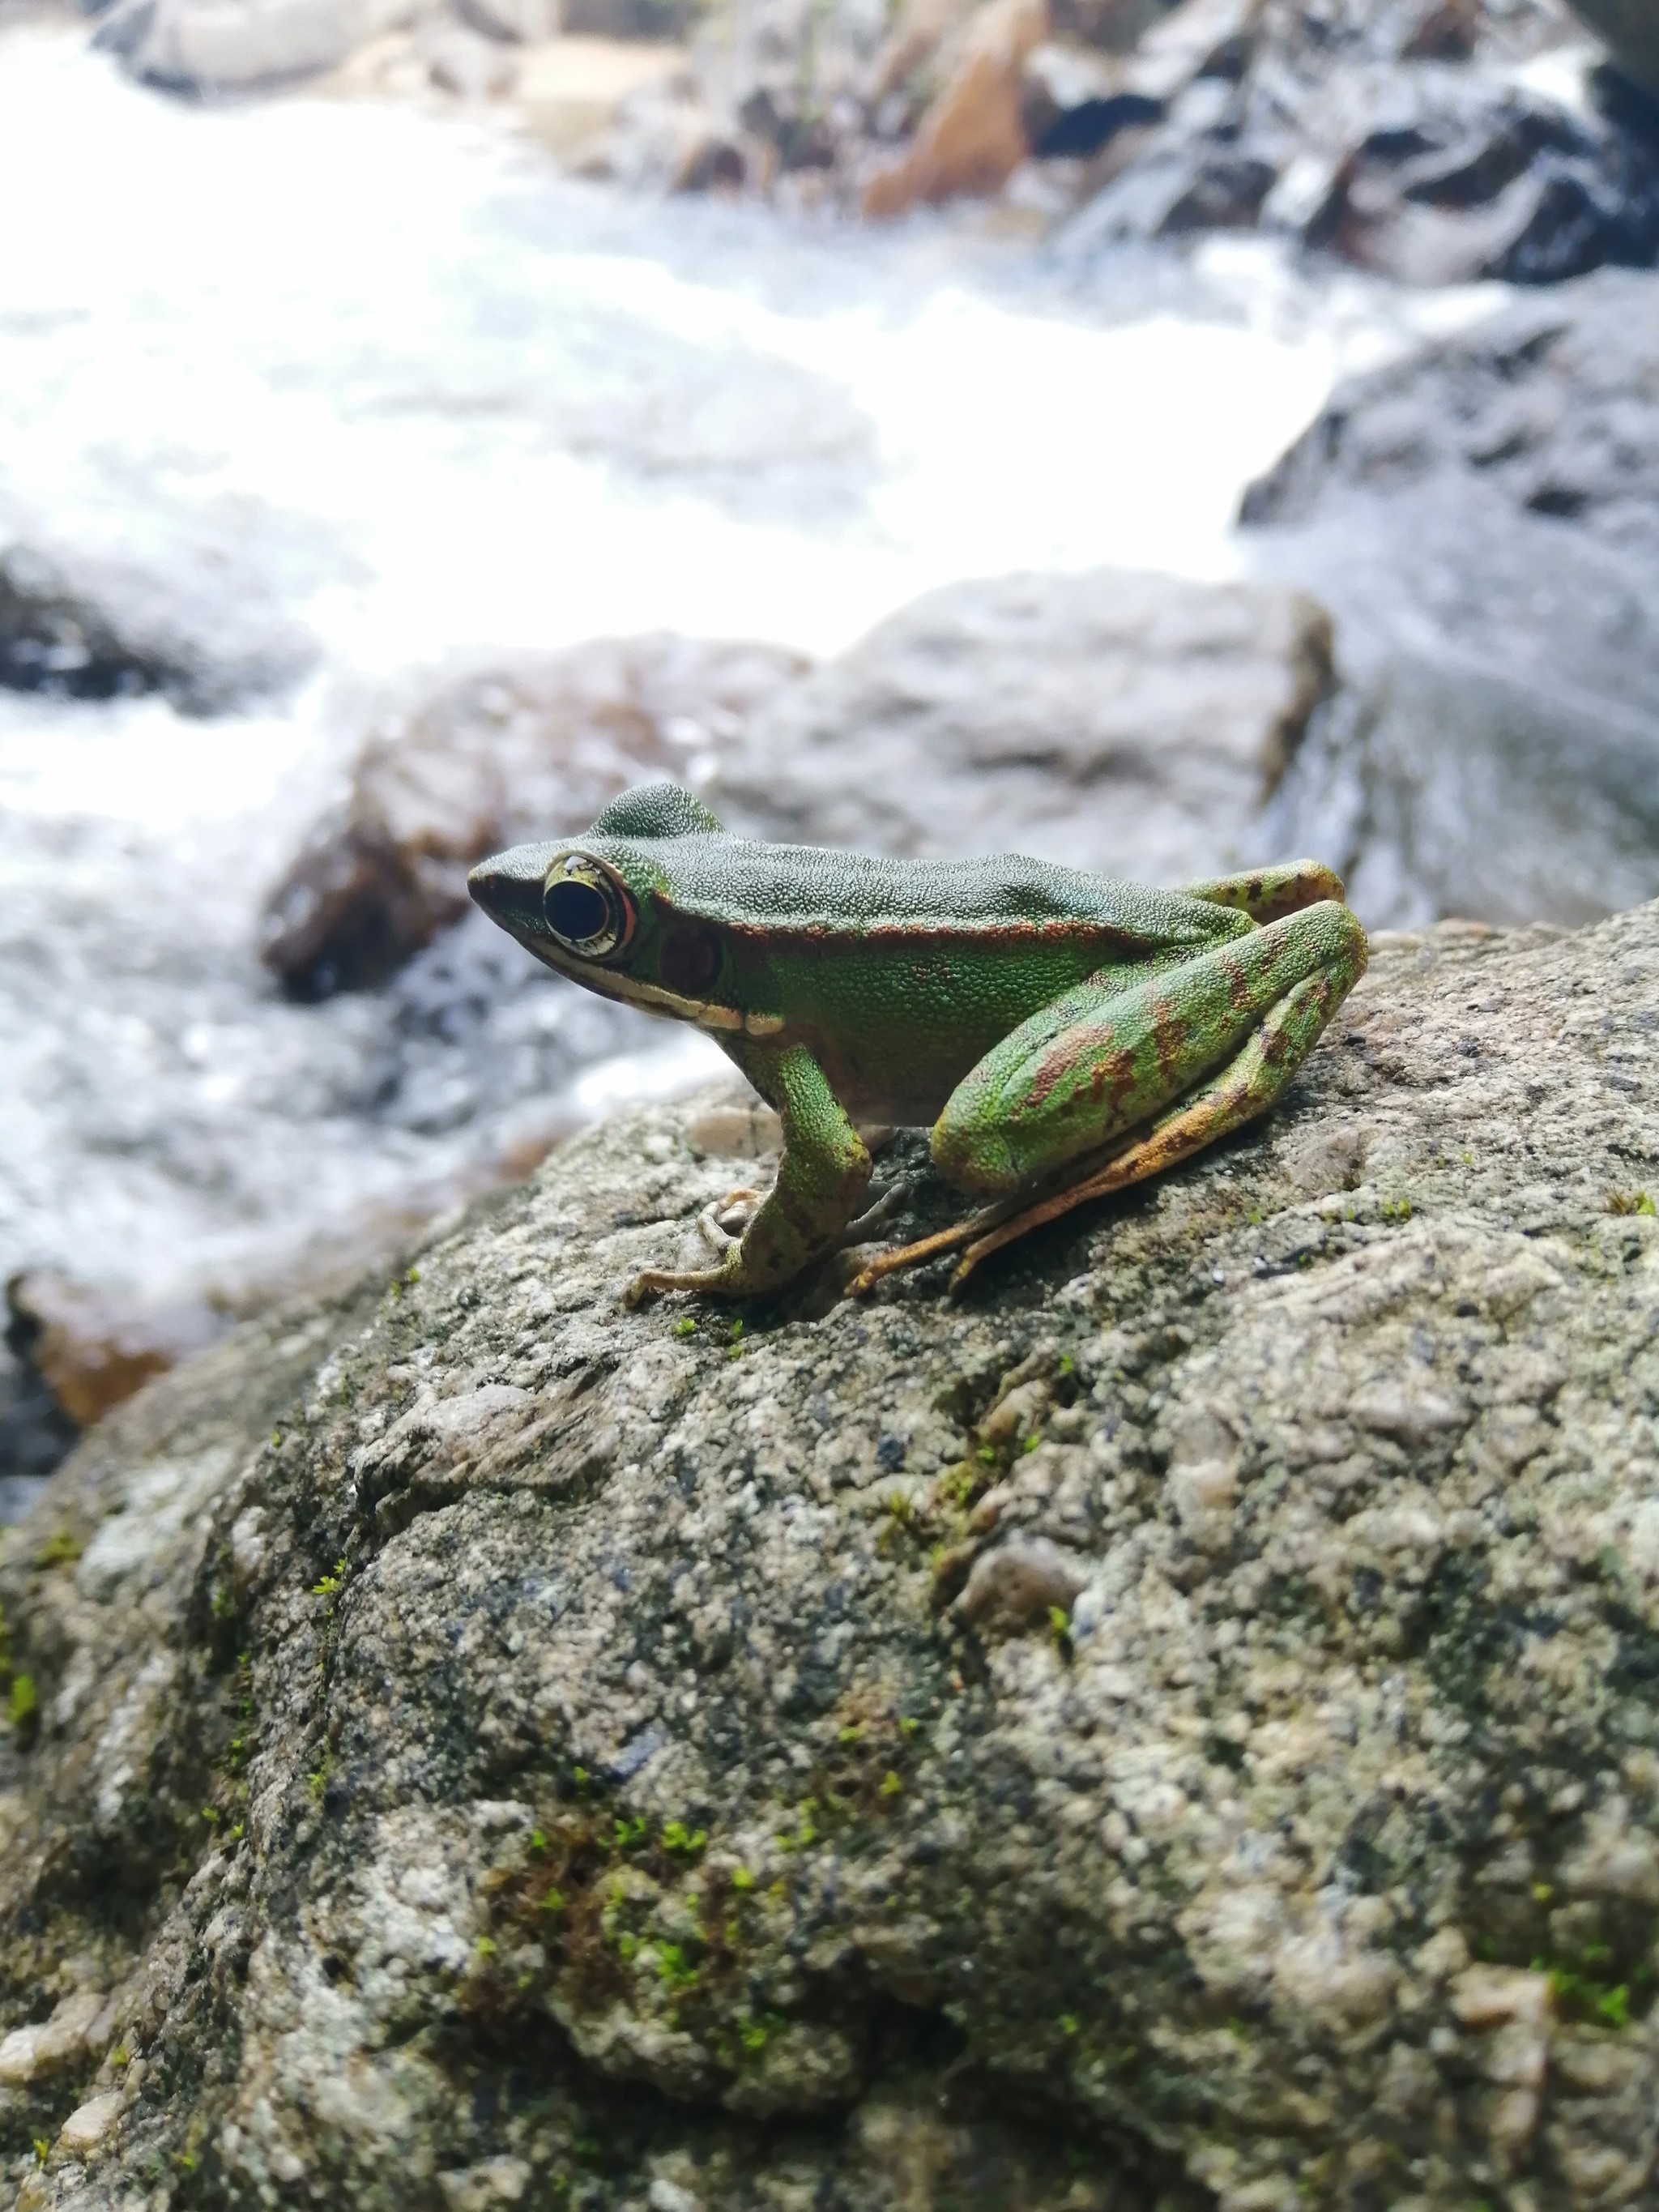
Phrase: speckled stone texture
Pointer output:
(1175, 1729)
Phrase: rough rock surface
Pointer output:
(489, 760)
(1113, 719)
(1481, 763)
(1176, 1726)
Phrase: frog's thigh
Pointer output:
(1245, 1088)
(821, 1179)
(1269, 894)
(1048, 1093)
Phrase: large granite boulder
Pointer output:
(1481, 519)
(1111, 719)
(1173, 1728)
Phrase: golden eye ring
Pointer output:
(587, 910)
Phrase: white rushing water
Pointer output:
(441, 399)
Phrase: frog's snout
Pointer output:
(508, 891)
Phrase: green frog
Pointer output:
(1063, 1034)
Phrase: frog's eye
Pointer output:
(587, 910)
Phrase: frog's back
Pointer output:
(900, 974)
(819, 893)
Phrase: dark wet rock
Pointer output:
(196, 609)
(1113, 719)
(473, 1743)
(1631, 31)
(94, 1350)
(36, 1435)
(1399, 134)
(1481, 519)
(1400, 137)
(489, 760)
(1453, 181)
(1175, 188)
(1439, 783)
(1073, 105)
(1553, 404)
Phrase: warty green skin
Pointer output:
(1032, 1013)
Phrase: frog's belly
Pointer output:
(910, 1109)
(896, 1045)
(877, 1085)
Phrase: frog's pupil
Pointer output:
(575, 910)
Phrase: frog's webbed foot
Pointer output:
(722, 1223)
(764, 1243)
(877, 1216)
(726, 1281)
(973, 1230)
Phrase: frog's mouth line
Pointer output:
(514, 901)
(650, 997)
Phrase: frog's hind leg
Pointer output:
(1256, 1005)
(1269, 894)
(1243, 1090)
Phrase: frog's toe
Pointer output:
(722, 1224)
(887, 1208)
(651, 1282)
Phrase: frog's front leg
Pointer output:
(1130, 1080)
(822, 1177)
